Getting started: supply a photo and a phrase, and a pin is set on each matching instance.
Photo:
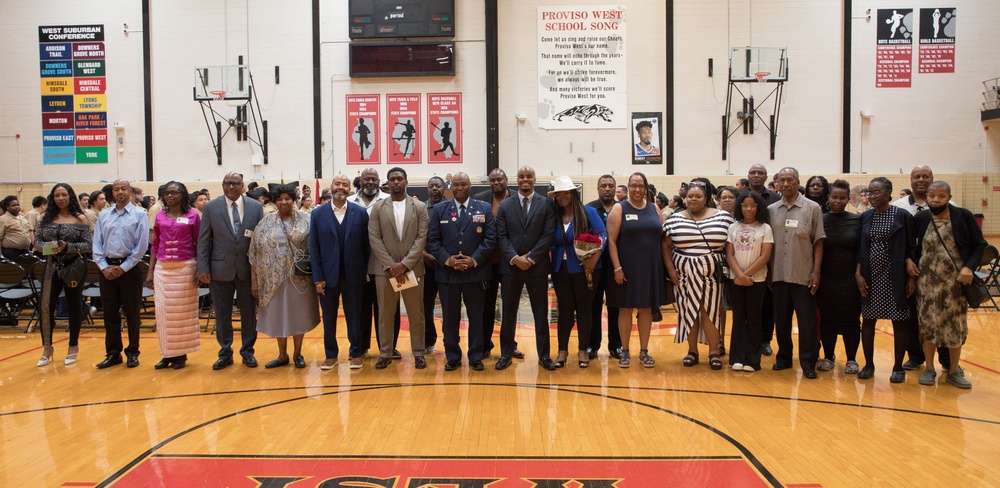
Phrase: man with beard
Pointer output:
(497, 193)
(461, 237)
(604, 203)
(921, 178)
(397, 232)
(227, 225)
(339, 252)
(757, 181)
(526, 226)
(367, 196)
(435, 195)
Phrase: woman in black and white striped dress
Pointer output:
(694, 238)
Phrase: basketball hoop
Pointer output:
(760, 75)
(221, 94)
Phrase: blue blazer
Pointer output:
(564, 240)
(474, 236)
(324, 245)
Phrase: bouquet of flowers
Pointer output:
(586, 245)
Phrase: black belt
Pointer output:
(116, 261)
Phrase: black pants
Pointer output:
(430, 295)
(222, 299)
(12, 254)
(369, 316)
(747, 302)
(767, 316)
(123, 293)
(597, 312)
(452, 296)
(788, 298)
(490, 288)
(55, 286)
(573, 297)
(538, 295)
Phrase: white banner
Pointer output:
(581, 67)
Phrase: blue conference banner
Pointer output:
(59, 155)
(62, 50)
(57, 138)
(56, 69)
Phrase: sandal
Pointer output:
(690, 360)
(583, 363)
(559, 363)
(714, 362)
(624, 361)
(852, 368)
(645, 359)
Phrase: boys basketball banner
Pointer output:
(937, 40)
(363, 118)
(444, 136)
(74, 103)
(402, 131)
(894, 48)
(581, 67)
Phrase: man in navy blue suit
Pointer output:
(339, 252)
(461, 237)
(526, 226)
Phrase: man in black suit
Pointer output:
(526, 226)
(497, 193)
(461, 237)
(227, 225)
(604, 203)
(435, 195)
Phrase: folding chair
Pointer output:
(990, 275)
(35, 275)
(92, 285)
(16, 292)
(147, 294)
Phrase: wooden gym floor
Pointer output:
(597, 427)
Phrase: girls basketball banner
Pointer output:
(363, 118)
(894, 48)
(444, 136)
(937, 40)
(402, 128)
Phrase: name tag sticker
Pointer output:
(791, 223)
(444, 221)
(182, 220)
(631, 216)
(248, 233)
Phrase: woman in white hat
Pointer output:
(571, 277)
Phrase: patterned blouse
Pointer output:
(78, 237)
(273, 261)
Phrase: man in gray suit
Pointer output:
(397, 231)
(227, 224)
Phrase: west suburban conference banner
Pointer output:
(581, 67)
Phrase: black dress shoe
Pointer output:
(221, 363)
(383, 363)
(502, 363)
(131, 360)
(164, 363)
(452, 365)
(517, 354)
(251, 362)
(591, 353)
(477, 365)
(111, 360)
(419, 362)
(780, 366)
(547, 364)
(274, 363)
(300, 362)
(766, 349)
(180, 362)
(487, 354)
(616, 353)
(811, 374)
(396, 354)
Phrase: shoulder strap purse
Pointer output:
(301, 264)
(976, 292)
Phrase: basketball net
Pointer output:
(760, 75)
(221, 94)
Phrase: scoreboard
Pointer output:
(373, 19)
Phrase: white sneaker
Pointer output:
(748, 368)
(738, 367)
(430, 350)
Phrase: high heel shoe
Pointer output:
(560, 359)
(71, 356)
(47, 354)
(583, 359)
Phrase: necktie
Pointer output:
(524, 208)
(236, 220)
(461, 212)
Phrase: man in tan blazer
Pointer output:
(397, 230)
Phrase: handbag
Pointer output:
(976, 292)
(71, 269)
(301, 265)
(720, 272)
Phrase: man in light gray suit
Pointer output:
(397, 231)
(227, 224)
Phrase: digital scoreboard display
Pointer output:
(373, 19)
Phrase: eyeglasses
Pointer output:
(876, 193)
(232, 184)
(636, 187)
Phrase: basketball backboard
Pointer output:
(221, 83)
(758, 64)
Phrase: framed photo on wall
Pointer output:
(647, 137)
